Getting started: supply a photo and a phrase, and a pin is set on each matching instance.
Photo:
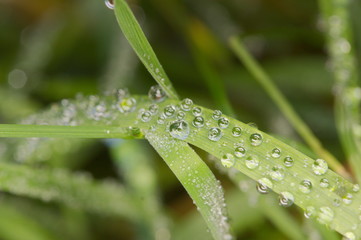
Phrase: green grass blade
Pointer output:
(305, 132)
(137, 39)
(76, 190)
(196, 178)
(341, 50)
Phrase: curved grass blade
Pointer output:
(137, 39)
(196, 178)
(77, 190)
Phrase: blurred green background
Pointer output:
(54, 49)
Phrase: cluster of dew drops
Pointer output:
(181, 129)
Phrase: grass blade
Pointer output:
(196, 178)
(301, 127)
(137, 39)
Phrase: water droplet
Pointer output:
(286, 199)
(153, 109)
(305, 186)
(135, 131)
(240, 152)
(216, 114)
(161, 119)
(109, 4)
(356, 188)
(228, 160)
(276, 153)
(214, 134)
(252, 162)
(324, 183)
(127, 105)
(223, 122)
(179, 129)
(252, 125)
(236, 132)
(337, 202)
(310, 212)
(277, 173)
(264, 185)
(319, 167)
(325, 215)
(347, 199)
(187, 104)
(198, 122)
(197, 111)
(288, 161)
(349, 236)
(146, 116)
(156, 94)
(256, 139)
(169, 111)
(180, 115)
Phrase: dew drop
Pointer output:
(286, 199)
(305, 186)
(223, 122)
(240, 152)
(146, 116)
(252, 162)
(169, 111)
(127, 105)
(356, 188)
(109, 4)
(324, 183)
(236, 132)
(256, 139)
(319, 167)
(187, 104)
(325, 215)
(153, 109)
(180, 115)
(337, 202)
(156, 94)
(277, 173)
(310, 212)
(161, 119)
(288, 161)
(276, 153)
(179, 129)
(228, 160)
(216, 114)
(214, 134)
(264, 185)
(198, 122)
(197, 111)
(347, 199)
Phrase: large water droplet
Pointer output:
(236, 132)
(169, 111)
(277, 173)
(109, 4)
(310, 212)
(319, 167)
(127, 105)
(264, 185)
(223, 122)
(256, 139)
(228, 160)
(240, 152)
(286, 199)
(179, 129)
(324, 183)
(276, 153)
(198, 122)
(197, 111)
(216, 114)
(156, 93)
(288, 161)
(325, 215)
(252, 162)
(214, 134)
(305, 186)
(187, 104)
